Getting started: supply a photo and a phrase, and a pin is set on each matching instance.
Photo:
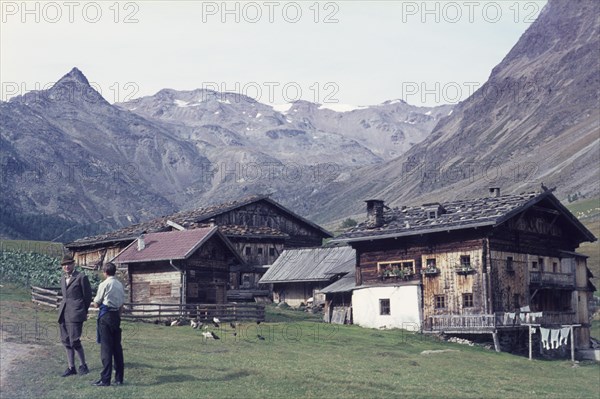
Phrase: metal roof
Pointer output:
(170, 245)
(311, 264)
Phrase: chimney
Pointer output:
(374, 213)
(141, 244)
(212, 222)
(494, 192)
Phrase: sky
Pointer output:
(331, 52)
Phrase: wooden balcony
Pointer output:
(552, 280)
(486, 323)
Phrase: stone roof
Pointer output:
(193, 219)
(454, 215)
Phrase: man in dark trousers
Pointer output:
(73, 311)
(110, 299)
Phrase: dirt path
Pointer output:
(10, 354)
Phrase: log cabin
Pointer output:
(258, 227)
(472, 266)
(179, 267)
(299, 274)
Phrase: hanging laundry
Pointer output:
(545, 333)
(564, 335)
(534, 316)
(533, 330)
(522, 317)
(508, 318)
(554, 335)
(525, 309)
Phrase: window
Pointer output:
(554, 267)
(534, 265)
(271, 251)
(259, 251)
(467, 300)
(509, 264)
(432, 215)
(465, 261)
(440, 301)
(541, 262)
(430, 263)
(384, 307)
(248, 250)
(400, 268)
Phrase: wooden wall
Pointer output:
(453, 285)
(295, 294)
(155, 282)
(254, 258)
(89, 257)
(207, 272)
(262, 213)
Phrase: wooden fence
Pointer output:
(162, 311)
(225, 312)
(46, 296)
(489, 322)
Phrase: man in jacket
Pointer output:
(73, 310)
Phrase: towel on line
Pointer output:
(554, 334)
(545, 333)
(564, 335)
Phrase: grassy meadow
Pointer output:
(299, 358)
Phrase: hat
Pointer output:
(67, 259)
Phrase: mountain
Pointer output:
(536, 120)
(301, 131)
(68, 154)
(73, 164)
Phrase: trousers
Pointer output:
(110, 346)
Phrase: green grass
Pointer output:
(588, 212)
(300, 358)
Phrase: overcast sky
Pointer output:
(351, 52)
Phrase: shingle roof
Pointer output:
(456, 215)
(194, 218)
(345, 284)
(311, 264)
(169, 245)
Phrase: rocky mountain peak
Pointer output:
(74, 75)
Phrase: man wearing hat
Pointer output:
(77, 296)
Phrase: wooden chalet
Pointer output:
(299, 274)
(258, 227)
(487, 265)
(190, 266)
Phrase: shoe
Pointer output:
(101, 383)
(69, 371)
(83, 369)
(118, 383)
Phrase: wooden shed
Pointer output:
(485, 265)
(181, 267)
(299, 274)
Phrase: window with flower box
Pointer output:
(396, 269)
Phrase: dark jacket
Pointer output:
(77, 297)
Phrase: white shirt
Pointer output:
(110, 293)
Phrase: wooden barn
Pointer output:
(258, 227)
(190, 266)
(299, 274)
(487, 265)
